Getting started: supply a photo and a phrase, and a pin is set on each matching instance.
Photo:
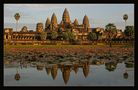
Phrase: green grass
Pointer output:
(6, 47)
(45, 46)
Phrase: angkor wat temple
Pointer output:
(80, 31)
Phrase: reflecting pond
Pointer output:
(75, 74)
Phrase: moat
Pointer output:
(68, 66)
(83, 74)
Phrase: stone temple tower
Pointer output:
(86, 22)
(76, 22)
(65, 16)
(54, 19)
(47, 24)
(39, 27)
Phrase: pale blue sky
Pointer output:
(99, 14)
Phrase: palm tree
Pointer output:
(17, 17)
(111, 32)
(125, 17)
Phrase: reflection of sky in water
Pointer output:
(98, 76)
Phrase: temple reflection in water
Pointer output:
(65, 69)
(48, 70)
(86, 69)
(54, 71)
(66, 73)
(75, 68)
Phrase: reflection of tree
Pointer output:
(17, 76)
(54, 71)
(129, 64)
(66, 73)
(125, 75)
(85, 69)
(110, 66)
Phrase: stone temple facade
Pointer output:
(80, 31)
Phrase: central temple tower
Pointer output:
(66, 17)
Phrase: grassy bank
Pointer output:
(6, 47)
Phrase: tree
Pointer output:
(43, 35)
(125, 17)
(69, 36)
(17, 17)
(54, 35)
(60, 34)
(92, 36)
(111, 32)
(129, 32)
(65, 36)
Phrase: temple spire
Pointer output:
(47, 22)
(66, 17)
(54, 19)
(86, 21)
(76, 22)
(39, 27)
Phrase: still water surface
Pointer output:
(95, 75)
